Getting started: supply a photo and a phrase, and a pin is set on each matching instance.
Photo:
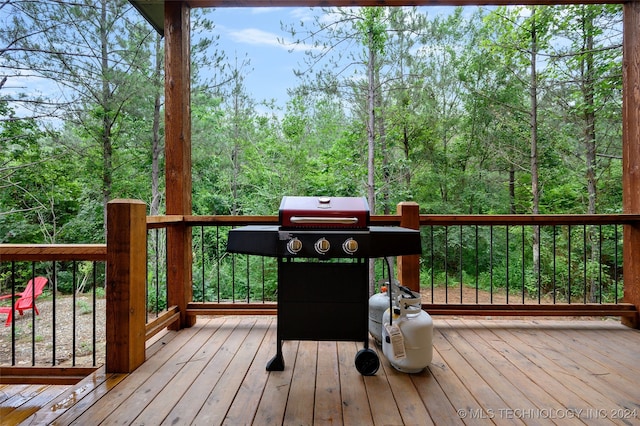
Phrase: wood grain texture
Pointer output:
(483, 372)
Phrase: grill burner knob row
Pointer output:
(350, 246)
(294, 246)
(322, 246)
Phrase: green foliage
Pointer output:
(452, 132)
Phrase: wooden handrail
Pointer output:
(52, 252)
(425, 220)
(531, 219)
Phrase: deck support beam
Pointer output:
(631, 154)
(178, 155)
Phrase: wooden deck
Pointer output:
(483, 372)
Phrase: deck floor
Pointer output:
(483, 372)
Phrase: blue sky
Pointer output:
(255, 32)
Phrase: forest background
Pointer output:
(503, 110)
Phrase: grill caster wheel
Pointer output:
(367, 362)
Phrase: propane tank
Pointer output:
(407, 337)
(378, 303)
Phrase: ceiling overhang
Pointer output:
(153, 12)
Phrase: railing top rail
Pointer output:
(531, 219)
(216, 220)
(425, 220)
(52, 252)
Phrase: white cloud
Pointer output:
(258, 37)
(254, 36)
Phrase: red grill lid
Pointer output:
(324, 212)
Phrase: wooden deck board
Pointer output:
(27, 401)
(129, 392)
(563, 367)
(606, 375)
(355, 402)
(243, 408)
(483, 372)
(328, 405)
(532, 395)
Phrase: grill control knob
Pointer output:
(350, 246)
(322, 245)
(294, 245)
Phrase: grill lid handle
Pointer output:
(324, 220)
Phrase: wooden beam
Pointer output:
(44, 375)
(212, 308)
(352, 3)
(52, 252)
(126, 285)
(631, 154)
(164, 320)
(625, 310)
(178, 154)
(409, 266)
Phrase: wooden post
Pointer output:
(178, 155)
(631, 154)
(409, 266)
(126, 281)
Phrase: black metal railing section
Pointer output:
(471, 260)
(514, 264)
(467, 261)
(63, 323)
(220, 276)
(157, 289)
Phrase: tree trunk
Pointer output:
(371, 134)
(534, 143)
(156, 146)
(107, 148)
(588, 93)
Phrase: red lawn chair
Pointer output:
(27, 298)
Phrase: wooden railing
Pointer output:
(409, 267)
(52, 373)
(128, 325)
(626, 307)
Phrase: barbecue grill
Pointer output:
(322, 245)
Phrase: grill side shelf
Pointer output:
(254, 239)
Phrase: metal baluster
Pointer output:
(615, 270)
(248, 280)
(460, 262)
(539, 271)
(507, 261)
(599, 263)
(491, 263)
(555, 290)
(477, 265)
(33, 314)
(93, 341)
(73, 328)
(202, 253)
(218, 260)
(54, 285)
(432, 267)
(569, 264)
(263, 276)
(523, 260)
(446, 271)
(584, 262)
